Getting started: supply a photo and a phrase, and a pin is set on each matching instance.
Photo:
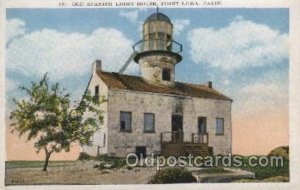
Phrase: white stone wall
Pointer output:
(103, 92)
(211, 109)
(163, 106)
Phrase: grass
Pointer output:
(114, 162)
(261, 172)
(36, 164)
(269, 172)
(264, 172)
(271, 179)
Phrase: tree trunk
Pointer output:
(48, 154)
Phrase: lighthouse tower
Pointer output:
(157, 53)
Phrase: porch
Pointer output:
(180, 143)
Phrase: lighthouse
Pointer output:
(158, 53)
(153, 112)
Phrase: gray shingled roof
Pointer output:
(136, 83)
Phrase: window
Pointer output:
(149, 122)
(169, 43)
(161, 41)
(125, 121)
(160, 27)
(152, 41)
(201, 124)
(219, 126)
(97, 91)
(166, 74)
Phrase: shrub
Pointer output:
(100, 166)
(84, 156)
(114, 162)
(280, 151)
(172, 175)
(119, 162)
(103, 157)
(270, 171)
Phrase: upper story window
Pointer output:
(125, 121)
(219, 126)
(161, 41)
(96, 93)
(97, 90)
(152, 41)
(169, 43)
(166, 74)
(149, 122)
(202, 125)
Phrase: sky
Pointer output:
(244, 52)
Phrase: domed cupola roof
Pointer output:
(158, 17)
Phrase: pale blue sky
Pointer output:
(264, 32)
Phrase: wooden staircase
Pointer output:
(184, 149)
(179, 143)
(198, 149)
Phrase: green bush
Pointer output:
(114, 162)
(280, 151)
(270, 171)
(103, 157)
(119, 162)
(100, 166)
(84, 156)
(172, 175)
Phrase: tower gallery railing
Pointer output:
(157, 44)
(183, 137)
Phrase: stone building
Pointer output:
(153, 113)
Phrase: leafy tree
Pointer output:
(49, 119)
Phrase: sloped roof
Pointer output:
(136, 83)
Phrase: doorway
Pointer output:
(141, 151)
(202, 125)
(177, 128)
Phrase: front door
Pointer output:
(177, 128)
(201, 125)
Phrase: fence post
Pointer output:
(192, 137)
(181, 136)
(207, 135)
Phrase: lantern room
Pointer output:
(158, 53)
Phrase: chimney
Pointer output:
(209, 84)
(97, 66)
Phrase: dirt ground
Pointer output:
(80, 173)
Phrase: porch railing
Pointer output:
(183, 137)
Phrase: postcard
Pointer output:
(150, 94)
